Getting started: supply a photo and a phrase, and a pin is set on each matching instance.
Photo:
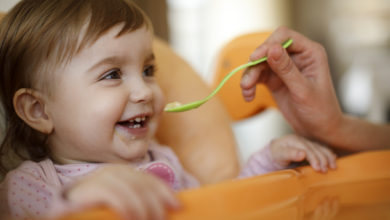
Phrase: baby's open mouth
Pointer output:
(137, 122)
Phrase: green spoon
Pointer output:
(177, 107)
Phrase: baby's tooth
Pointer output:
(138, 119)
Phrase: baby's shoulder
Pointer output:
(30, 169)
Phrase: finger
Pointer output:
(284, 67)
(136, 207)
(300, 42)
(273, 82)
(320, 155)
(249, 94)
(331, 157)
(304, 145)
(159, 196)
(155, 205)
(251, 76)
(312, 158)
(124, 204)
(290, 154)
(285, 150)
(280, 35)
(260, 51)
(168, 196)
(131, 195)
(132, 202)
(126, 212)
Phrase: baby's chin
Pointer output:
(130, 149)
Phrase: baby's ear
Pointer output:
(30, 107)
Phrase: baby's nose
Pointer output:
(140, 92)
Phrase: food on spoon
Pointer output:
(172, 105)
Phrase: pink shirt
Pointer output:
(34, 190)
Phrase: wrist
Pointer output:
(336, 131)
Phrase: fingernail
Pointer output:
(316, 167)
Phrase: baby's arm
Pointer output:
(133, 194)
(291, 148)
(29, 193)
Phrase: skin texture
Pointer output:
(133, 195)
(293, 148)
(100, 87)
(300, 81)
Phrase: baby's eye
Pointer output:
(112, 74)
(149, 71)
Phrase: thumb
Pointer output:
(283, 66)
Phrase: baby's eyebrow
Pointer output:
(151, 57)
(117, 60)
(112, 60)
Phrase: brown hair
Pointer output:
(37, 35)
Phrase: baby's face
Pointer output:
(106, 102)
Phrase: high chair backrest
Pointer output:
(233, 54)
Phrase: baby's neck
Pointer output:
(148, 157)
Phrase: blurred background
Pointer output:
(356, 35)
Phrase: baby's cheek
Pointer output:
(159, 101)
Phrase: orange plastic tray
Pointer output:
(358, 189)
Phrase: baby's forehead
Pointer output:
(87, 25)
(114, 40)
(114, 47)
(52, 39)
(84, 43)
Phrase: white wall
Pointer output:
(359, 39)
(5, 5)
(199, 28)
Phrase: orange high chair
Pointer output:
(233, 54)
(358, 189)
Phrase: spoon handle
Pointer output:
(177, 107)
(243, 66)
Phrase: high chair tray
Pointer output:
(358, 189)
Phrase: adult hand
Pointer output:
(300, 82)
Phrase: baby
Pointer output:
(81, 108)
